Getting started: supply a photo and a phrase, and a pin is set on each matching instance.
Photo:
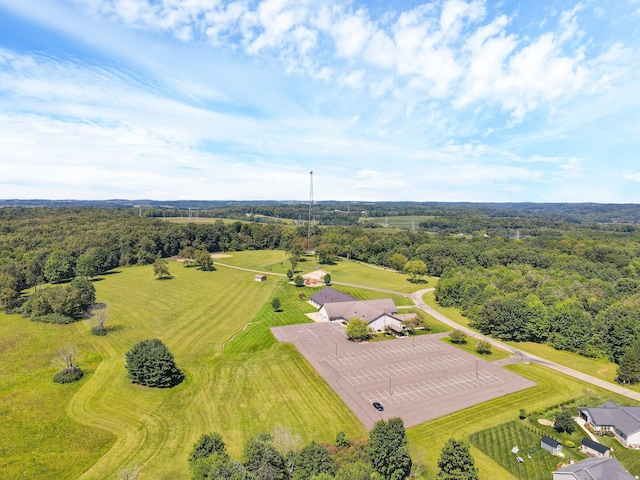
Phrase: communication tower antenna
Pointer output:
(310, 211)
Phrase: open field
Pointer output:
(195, 314)
(346, 271)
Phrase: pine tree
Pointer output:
(629, 367)
(150, 363)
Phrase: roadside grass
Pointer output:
(264, 260)
(38, 439)
(450, 312)
(599, 367)
(426, 440)
(432, 325)
(538, 464)
(470, 347)
(243, 390)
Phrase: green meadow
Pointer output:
(239, 380)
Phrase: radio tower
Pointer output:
(310, 212)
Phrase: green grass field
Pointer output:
(346, 271)
(239, 380)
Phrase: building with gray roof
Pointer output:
(594, 469)
(624, 422)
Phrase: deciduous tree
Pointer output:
(160, 268)
(456, 462)
(358, 330)
(388, 449)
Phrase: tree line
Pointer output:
(576, 290)
(279, 456)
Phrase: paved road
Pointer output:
(521, 355)
(518, 355)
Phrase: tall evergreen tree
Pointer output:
(629, 367)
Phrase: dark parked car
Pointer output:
(378, 406)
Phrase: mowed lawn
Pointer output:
(346, 271)
(253, 386)
(38, 439)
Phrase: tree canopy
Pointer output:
(150, 363)
(456, 462)
(388, 449)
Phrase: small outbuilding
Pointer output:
(260, 278)
(594, 449)
(550, 445)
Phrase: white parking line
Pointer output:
(432, 388)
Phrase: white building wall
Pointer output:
(381, 323)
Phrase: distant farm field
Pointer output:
(400, 221)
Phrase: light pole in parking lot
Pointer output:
(476, 369)
(390, 391)
(336, 350)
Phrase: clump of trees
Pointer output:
(150, 363)
(61, 304)
(563, 422)
(358, 330)
(279, 457)
(67, 357)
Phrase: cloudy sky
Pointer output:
(450, 100)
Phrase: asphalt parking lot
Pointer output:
(418, 378)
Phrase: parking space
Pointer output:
(417, 379)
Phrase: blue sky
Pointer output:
(450, 100)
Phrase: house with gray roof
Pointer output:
(624, 422)
(594, 469)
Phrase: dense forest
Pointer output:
(564, 274)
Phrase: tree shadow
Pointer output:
(96, 279)
(418, 281)
(170, 277)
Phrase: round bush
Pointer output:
(68, 375)
(99, 331)
(150, 363)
